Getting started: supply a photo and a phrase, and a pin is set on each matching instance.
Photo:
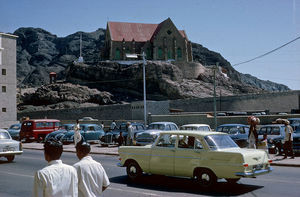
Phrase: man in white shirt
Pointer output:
(288, 140)
(57, 179)
(113, 125)
(130, 134)
(92, 178)
(77, 135)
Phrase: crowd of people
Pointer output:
(254, 142)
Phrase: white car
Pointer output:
(198, 127)
(9, 147)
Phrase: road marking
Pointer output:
(134, 191)
(15, 174)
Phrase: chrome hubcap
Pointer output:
(205, 177)
(132, 169)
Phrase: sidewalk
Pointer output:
(113, 150)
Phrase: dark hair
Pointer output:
(53, 148)
(83, 147)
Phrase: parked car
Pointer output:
(198, 127)
(9, 147)
(89, 132)
(237, 132)
(275, 143)
(294, 122)
(207, 157)
(111, 137)
(57, 135)
(148, 136)
(275, 135)
(37, 129)
(14, 131)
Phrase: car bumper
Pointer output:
(11, 153)
(254, 173)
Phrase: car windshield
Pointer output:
(233, 129)
(220, 142)
(68, 127)
(295, 121)
(156, 126)
(14, 127)
(199, 128)
(4, 135)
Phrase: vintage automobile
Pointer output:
(89, 132)
(238, 132)
(111, 137)
(198, 127)
(14, 131)
(9, 147)
(148, 136)
(275, 134)
(294, 122)
(57, 135)
(204, 156)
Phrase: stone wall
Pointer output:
(274, 102)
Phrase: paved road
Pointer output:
(16, 179)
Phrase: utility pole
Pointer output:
(144, 85)
(215, 103)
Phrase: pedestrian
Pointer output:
(92, 178)
(57, 179)
(253, 136)
(121, 139)
(113, 125)
(129, 141)
(263, 144)
(77, 135)
(288, 140)
(102, 125)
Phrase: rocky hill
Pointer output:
(39, 52)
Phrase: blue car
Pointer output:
(237, 132)
(89, 132)
(14, 131)
(57, 135)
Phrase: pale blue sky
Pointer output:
(238, 29)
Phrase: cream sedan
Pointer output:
(9, 147)
(204, 156)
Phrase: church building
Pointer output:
(161, 41)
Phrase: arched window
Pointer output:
(160, 53)
(117, 55)
(170, 56)
(179, 53)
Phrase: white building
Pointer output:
(8, 81)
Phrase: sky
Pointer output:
(239, 30)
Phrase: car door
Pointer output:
(162, 155)
(90, 133)
(187, 155)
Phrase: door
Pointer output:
(162, 155)
(187, 155)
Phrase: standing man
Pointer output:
(77, 135)
(288, 140)
(57, 179)
(253, 136)
(92, 178)
(130, 134)
(113, 125)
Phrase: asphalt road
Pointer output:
(16, 179)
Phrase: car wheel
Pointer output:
(134, 171)
(232, 181)
(10, 158)
(206, 177)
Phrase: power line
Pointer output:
(260, 56)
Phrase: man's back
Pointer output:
(57, 179)
(91, 177)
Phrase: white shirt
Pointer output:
(113, 125)
(130, 132)
(288, 130)
(91, 177)
(56, 179)
(77, 135)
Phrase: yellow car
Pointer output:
(204, 156)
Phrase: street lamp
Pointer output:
(135, 56)
(215, 102)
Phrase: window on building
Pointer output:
(179, 53)
(170, 56)
(148, 53)
(159, 53)
(3, 109)
(117, 55)
(3, 71)
(3, 88)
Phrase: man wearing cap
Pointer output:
(57, 179)
(288, 140)
(92, 178)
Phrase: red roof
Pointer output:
(139, 32)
